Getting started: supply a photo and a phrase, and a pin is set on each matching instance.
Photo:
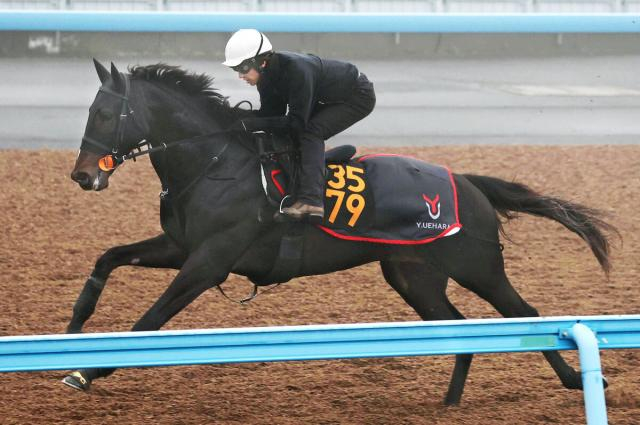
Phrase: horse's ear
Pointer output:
(116, 77)
(103, 74)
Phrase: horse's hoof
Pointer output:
(76, 381)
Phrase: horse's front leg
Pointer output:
(158, 252)
(206, 267)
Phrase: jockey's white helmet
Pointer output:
(245, 44)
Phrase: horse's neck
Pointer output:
(173, 116)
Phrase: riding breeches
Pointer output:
(327, 120)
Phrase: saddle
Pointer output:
(279, 161)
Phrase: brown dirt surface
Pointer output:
(53, 232)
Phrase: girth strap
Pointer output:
(286, 266)
(288, 262)
(254, 294)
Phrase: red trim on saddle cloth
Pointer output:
(455, 196)
(391, 241)
(274, 173)
(451, 228)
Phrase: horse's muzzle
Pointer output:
(87, 182)
(83, 179)
(87, 174)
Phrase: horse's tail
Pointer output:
(507, 197)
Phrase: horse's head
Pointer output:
(111, 130)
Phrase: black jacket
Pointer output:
(300, 81)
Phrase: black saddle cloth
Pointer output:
(390, 199)
(380, 198)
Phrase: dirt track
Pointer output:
(53, 233)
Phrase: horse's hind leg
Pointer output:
(483, 273)
(424, 289)
(508, 302)
(159, 252)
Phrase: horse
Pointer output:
(200, 217)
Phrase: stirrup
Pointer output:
(282, 203)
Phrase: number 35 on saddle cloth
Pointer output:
(390, 199)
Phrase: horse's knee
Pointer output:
(106, 263)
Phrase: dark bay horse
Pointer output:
(212, 226)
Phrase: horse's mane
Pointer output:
(198, 85)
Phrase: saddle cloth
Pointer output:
(389, 199)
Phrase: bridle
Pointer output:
(113, 154)
(125, 112)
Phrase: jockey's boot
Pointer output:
(302, 211)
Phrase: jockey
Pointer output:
(311, 98)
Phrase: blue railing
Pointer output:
(336, 6)
(166, 348)
(316, 22)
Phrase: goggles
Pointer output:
(245, 66)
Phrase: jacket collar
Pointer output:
(272, 70)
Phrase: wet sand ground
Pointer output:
(54, 232)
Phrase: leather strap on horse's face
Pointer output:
(113, 156)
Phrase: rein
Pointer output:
(113, 160)
(214, 160)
